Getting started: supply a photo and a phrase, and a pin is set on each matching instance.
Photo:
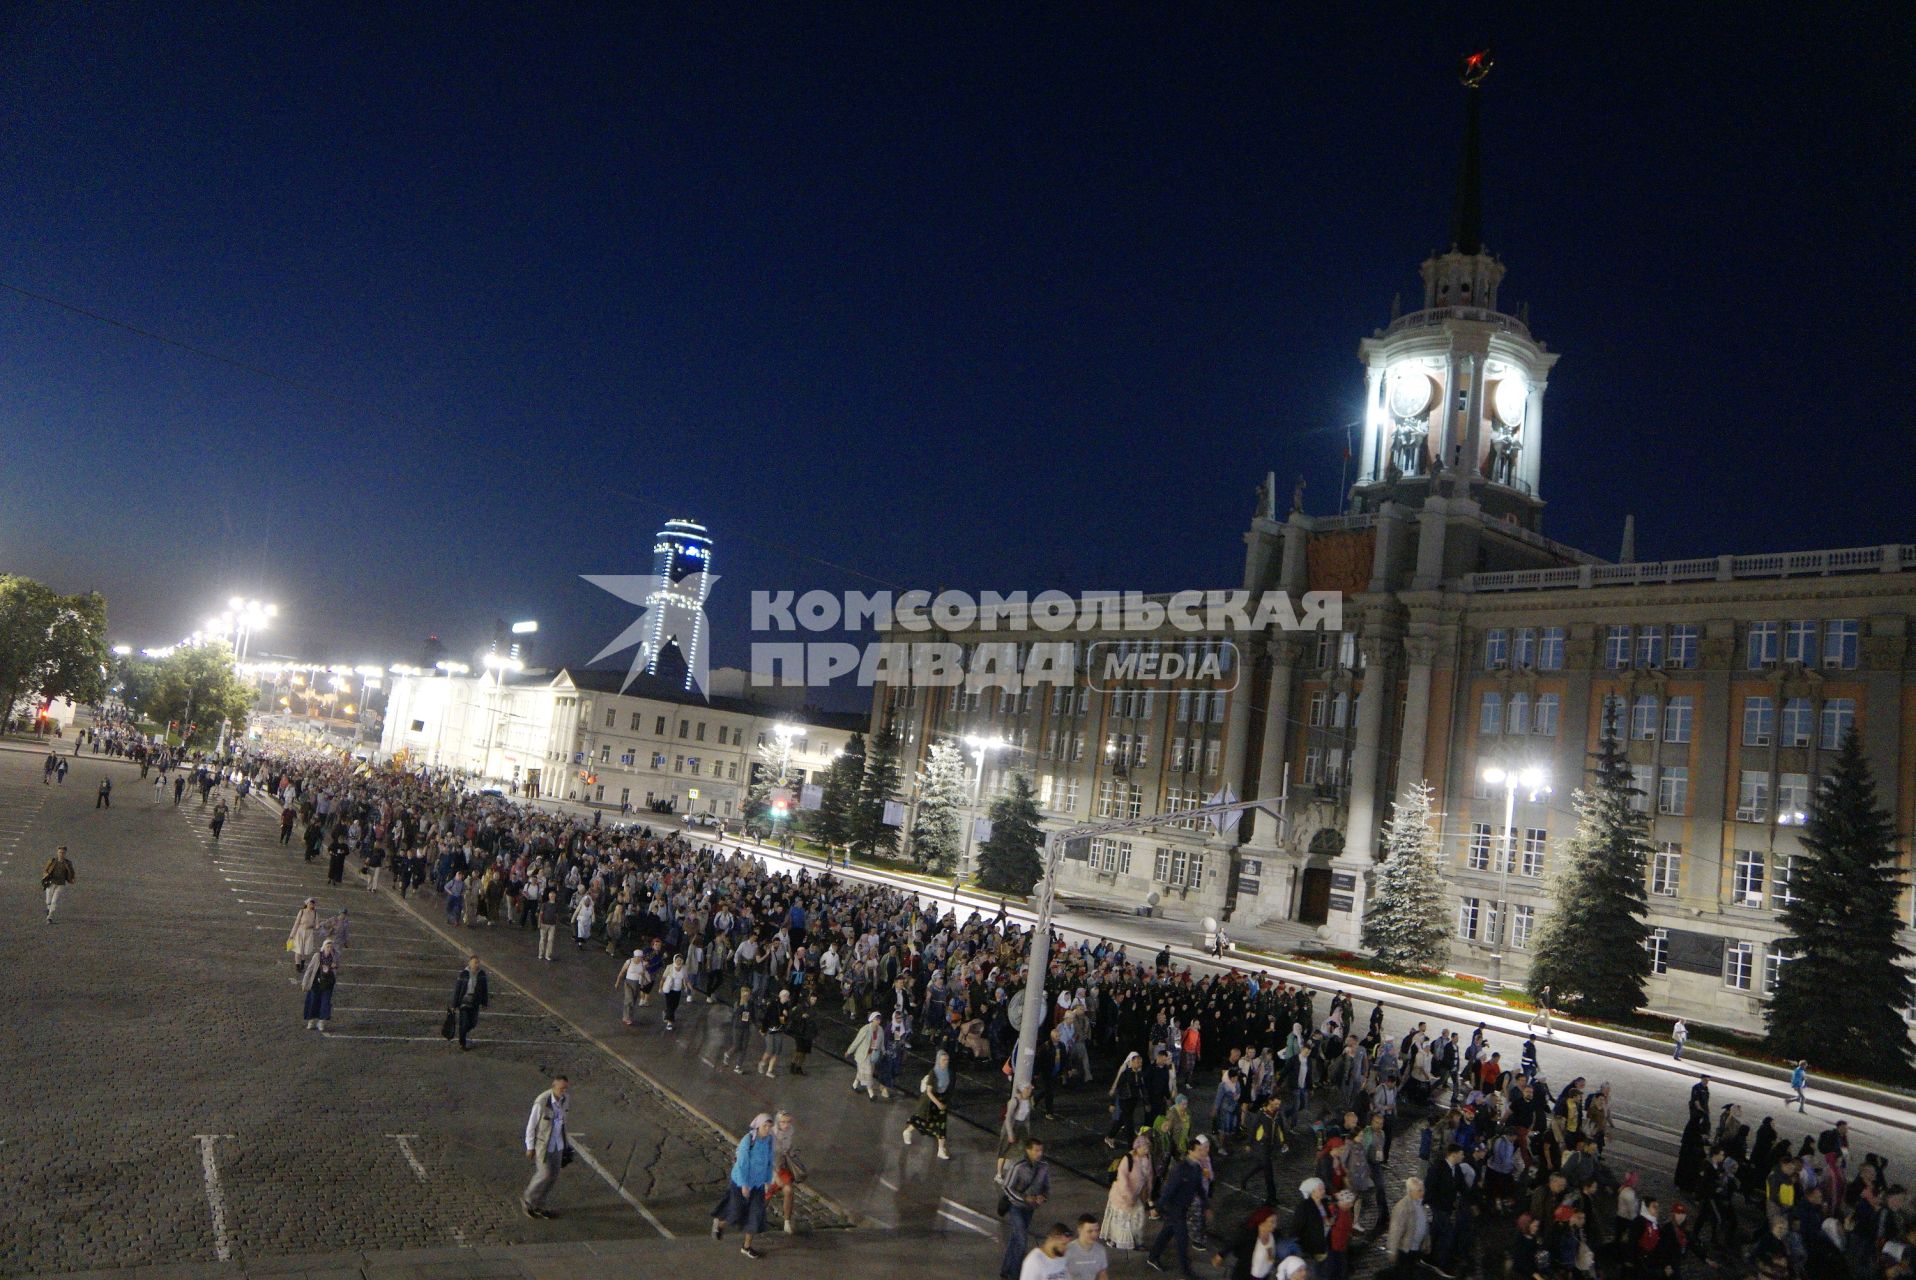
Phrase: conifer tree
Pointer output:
(936, 834)
(1839, 1000)
(1589, 949)
(869, 831)
(1407, 924)
(831, 823)
(1010, 861)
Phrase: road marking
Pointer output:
(969, 1226)
(351, 1035)
(350, 1008)
(592, 1163)
(215, 1198)
(887, 1183)
(405, 1148)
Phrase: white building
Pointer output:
(573, 735)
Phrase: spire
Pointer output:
(1628, 553)
(1467, 225)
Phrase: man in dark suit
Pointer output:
(469, 996)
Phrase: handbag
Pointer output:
(450, 1027)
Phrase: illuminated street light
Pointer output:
(122, 650)
(1531, 780)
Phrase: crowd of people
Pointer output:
(1191, 1070)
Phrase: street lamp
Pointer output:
(980, 747)
(1532, 781)
(498, 664)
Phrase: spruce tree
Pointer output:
(831, 823)
(1589, 949)
(1407, 924)
(1010, 861)
(869, 833)
(1839, 1000)
(936, 834)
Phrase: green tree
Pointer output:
(200, 685)
(936, 834)
(1589, 949)
(51, 645)
(1010, 861)
(771, 770)
(1839, 999)
(1407, 924)
(831, 823)
(869, 833)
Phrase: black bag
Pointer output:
(565, 1155)
(450, 1027)
(1004, 1204)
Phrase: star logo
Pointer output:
(672, 613)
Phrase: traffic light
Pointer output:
(780, 806)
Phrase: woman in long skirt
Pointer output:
(304, 936)
(752, 1172)
(321, 976)
(930, 1118)
(1130, 1194)
(865, 1050)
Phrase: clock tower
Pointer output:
(1453, 395)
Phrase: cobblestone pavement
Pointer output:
(169, 1105)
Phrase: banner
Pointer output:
(1224, 821)
(894, 813)
(811, 796)
(980, 830)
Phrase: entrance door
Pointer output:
(1314, 902)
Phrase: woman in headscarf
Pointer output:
(1126, 1088)
(1129, 1197)
(320, 977)
(865, 1050)
(582, 917)
(934, 1090)
(303, 939)
(752, 1172)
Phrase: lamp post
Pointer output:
(980, 747)
(498, 664)
(449, 670)
(1532, 781)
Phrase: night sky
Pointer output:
(955, 295)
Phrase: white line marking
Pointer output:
(593, 1163)
(210, 1168)
(349, 1035)
(969, 1226)
(490, 1013)
(405, 1147)
(887, 1183)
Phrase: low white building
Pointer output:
(574, 736)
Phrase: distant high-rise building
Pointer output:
(682, 561)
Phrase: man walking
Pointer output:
(55, 878)
(1542, 1013)
(103, 799)
(469, 996)
(546, 1147)
(1027, 1185)
(1184, 1184)
(1680, 1034)
(548, 922)
(1799, 1081)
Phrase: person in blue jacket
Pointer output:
(744, 1203)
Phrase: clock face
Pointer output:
(1508, 401)
(1411, 394)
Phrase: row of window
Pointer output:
(727, 769)
(1766, 642)
(1519, 714)
(1477, 921)
(1739, 961)
(1674, 648)
(1327, 766)
(687, 729)
(1832, 643)
(1748, 871)
(1175, 867)
(1120, 799)
(1525, 648)
(1480, 844)
(1800, 717)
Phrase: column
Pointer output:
(1277, 735)
(1352, 868)
(1420, 652)
(1367, 471)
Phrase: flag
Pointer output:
(1224, 821)
(894, 813)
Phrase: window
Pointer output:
(1496, 649)
(1678, 713)
(658, 759)
(1616, 648)
(1468, 910)
(1210, 756)
(1673, 789)
(1796, 722)
(1179, 867)
(1313, 764)
(1753, 796)
(1799, 642)
(1492, 719)
(678, 764)
(635, 720)
(1340, 710)
(731, 771)
(1326, 649)
(1319, 702)
(1762, 645)
(1107, 798)
(659, 728)
(1746, 879)
(1524, 650)
(1177, 755)
(684, 727)
(1658, 945)
(1781, 873)
(1738, 960)
(1545, 720)
(1666, 870)
(1774, 960)
(1111, 855)
(1683, 646)
(1493, 922)
(1759, 721)
(1523, 921)
(701, 731)
(1535, 839)
(1839, 717)
(625, 758)
(692, 765)
(1550, 650)
(1792, 799)
(1071, 796)
(1650, 646)
(1643, 718)
(1517, 718)
(1477, 853)
(1643, 785)
(1839, 643)
(611, 717)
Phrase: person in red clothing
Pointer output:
(1191, 1043)
(1343, 1222)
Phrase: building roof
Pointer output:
(660, 690)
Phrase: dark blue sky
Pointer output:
(946, 295)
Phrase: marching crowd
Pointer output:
(1191, 1070)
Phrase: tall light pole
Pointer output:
(1532, 781)
(498, 664)
(449, 670)
(980, 748)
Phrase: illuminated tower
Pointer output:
(1454, 392)
(682, 562)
